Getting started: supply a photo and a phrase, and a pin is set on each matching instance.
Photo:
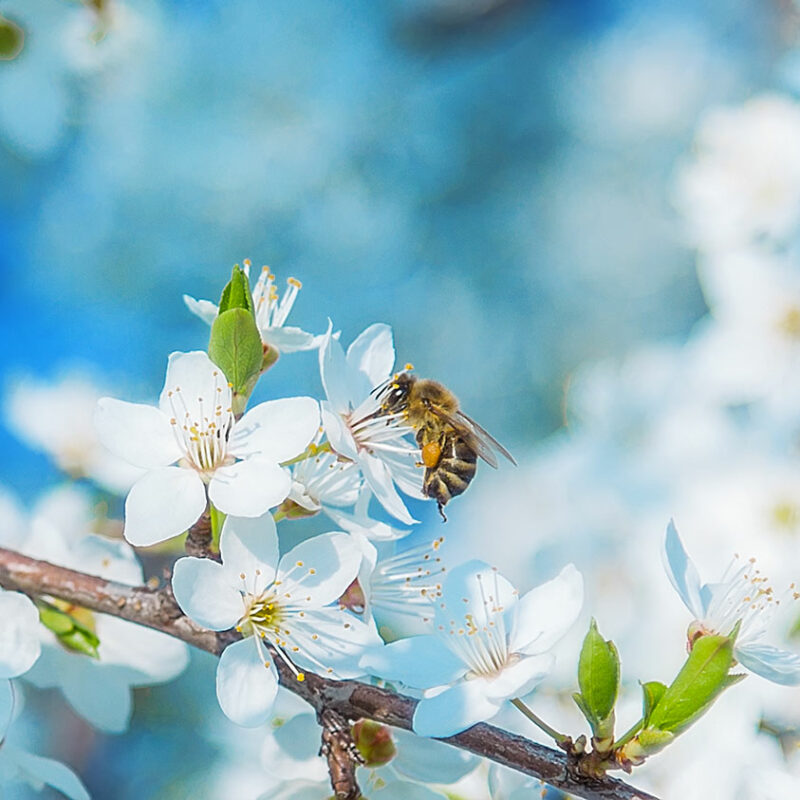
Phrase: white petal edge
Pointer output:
(139, 434)
(453, 710)
(249, 547)
(163, 503)
(204, 309)
(682, 572)
(204, 592)
(372, 352)
(778, 666)
(246, 688)
(249, 488)
(277, 430)
(321, 567)
(19, 634)
(420, 661)
(547, 612)
(52, 773)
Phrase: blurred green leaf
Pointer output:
(12, 39)
(72, 633)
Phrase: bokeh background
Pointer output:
(496, 179)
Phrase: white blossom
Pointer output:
(285, 603)
(488, 646)
(236, 462)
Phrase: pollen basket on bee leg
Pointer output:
(431, 453)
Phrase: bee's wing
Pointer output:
(481, 441)
(486, 440)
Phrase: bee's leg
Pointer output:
(441, 511)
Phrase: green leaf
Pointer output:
(72, 633)
(696, 686)
(651, 741)
(12, 39)
(81, 640)
(598, 677)
(236, 293)
(235, 347)
(652, 692)
(57, 621)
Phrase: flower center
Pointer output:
(742, 595)
(480, 639)
(202, 428)
(789, 324)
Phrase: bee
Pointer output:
(450, 442)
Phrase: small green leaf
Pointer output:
(12, 39)
(652, 692)
(651, 741)
(72, 634)
(57, 621)
(598, 678)
(696, 686)
(236, 293)
(81, 640)
(235, 347)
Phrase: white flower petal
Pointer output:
(163, 503)
(249, 546)
(51, 773)
(150, 656)
(404, 790)
(194, 386)
(518, 679)
(246, 688)
(248, 488)
(778, 666)
(682, 572)
(475, 589)
(379, 478)
(19, 634)
(139, 434)
(320, 568)
(427, 761)
(547, 612)
(204, 309)
(106, 558)
(341, 639)
(372, 352)
(204, 592)
(287, 339)
(103, 697)
(338, 433)
(419, 661)
(333, 372)
(277, 430)
(454, 710)
(6, 706)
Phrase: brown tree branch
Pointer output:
(156, 608)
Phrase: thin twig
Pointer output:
(341, 754)
(156, 608)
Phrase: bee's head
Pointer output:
(395, 395)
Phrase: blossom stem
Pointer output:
(278, 514)
(559, 738)
(217, 518)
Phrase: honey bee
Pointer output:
(450, 442)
